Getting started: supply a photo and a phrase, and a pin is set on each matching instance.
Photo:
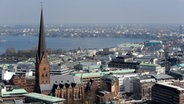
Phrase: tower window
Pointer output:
(44, 68)
(42, 75)
(46, 75)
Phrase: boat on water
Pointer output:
(2, 40)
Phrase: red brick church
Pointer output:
(42, 66)
(65, 86)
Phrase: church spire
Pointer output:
(41, 44)
(42, 66)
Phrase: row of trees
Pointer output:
(26, 53)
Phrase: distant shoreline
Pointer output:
(29, 42)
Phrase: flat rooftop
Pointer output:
(170, 84)
(100, 74)
(43, 97)
(14, 92)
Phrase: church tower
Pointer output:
(42, 66)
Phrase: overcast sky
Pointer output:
(92, 11)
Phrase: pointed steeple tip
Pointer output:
(42, 44)
(41, 13)
(41, 4)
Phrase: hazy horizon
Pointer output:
(92, 11)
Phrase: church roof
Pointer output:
(64, 79)
(45, 87)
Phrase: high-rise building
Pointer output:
(42, 72)
(168, 93)
(180, 30)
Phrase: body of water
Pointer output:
(28, 42)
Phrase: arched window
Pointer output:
(46, 75)
(42, 75)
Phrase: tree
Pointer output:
(11, 51)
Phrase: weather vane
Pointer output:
(41, 3)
